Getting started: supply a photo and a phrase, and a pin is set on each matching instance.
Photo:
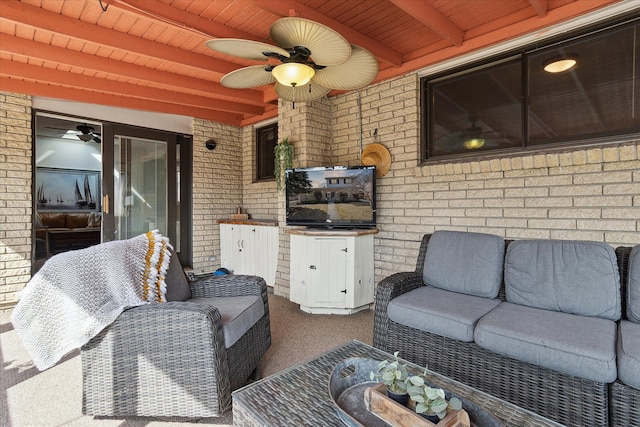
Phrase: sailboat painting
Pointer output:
(67, 190)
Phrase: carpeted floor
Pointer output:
(54, 397)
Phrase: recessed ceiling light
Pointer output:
(560, 64)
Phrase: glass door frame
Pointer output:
(175, 142)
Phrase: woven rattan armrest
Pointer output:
(389, 288)
(231, 285)
(115, 382)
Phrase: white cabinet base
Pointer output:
(331, 272)
(250, 247)
(324, 310)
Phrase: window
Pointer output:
(512, 103)
(266, 140)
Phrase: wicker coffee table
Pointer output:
(299, 396)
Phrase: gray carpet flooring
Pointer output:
(54, 397)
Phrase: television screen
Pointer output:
(339, 196)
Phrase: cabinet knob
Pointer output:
(344, 292)
(312, 267)
(344, 250)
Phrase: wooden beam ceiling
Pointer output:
(151, 55)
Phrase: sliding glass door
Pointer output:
(140, 186)
(124, 179)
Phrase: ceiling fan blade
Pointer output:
(326, 45)
(247, 77)
(359, 70)
(248, 49)
(304, 93)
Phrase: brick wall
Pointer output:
(217, 191)
(15, 196)
(587, 193)
(584, 193)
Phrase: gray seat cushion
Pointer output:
(633, 285)
(469, 263)
(577, 277)
(575, 345)
(238, 314)
(441, 312)
(629, 353)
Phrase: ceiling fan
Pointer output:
(314, 59)
(86, 133)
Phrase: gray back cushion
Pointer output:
(633, 285)
(178, 288)
(469, 263)
(569, 276)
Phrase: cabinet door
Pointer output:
(298, 267)
(229, 246)
(327, 271)
(363, 279)
(248, 249)
(266, 257)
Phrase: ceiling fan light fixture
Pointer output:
(473, 143)
(86, 137)
(293, 74)
(560, 64)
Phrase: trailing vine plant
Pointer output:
(283, 160)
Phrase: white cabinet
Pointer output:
(250, 248)
(332, 271)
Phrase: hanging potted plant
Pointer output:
(283, 160)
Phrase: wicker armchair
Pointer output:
(170, 359)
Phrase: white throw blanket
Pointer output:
(76, 294)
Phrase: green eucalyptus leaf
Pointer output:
(455, 403)
(438, 405)
(431, 393)
(416, 380)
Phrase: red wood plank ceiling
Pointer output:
(151, 55)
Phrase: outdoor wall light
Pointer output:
(210, 144)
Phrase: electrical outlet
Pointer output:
(212, 258)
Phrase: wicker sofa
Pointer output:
(531, 321)
(625, 391)
(182, 358)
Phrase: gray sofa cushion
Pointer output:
(633, 285)
(178, 288)
(575, 345)
(469, 263)
(238, 314)
(441, 312)
(629, 353)
(569, 276)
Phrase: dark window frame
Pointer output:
(266, 138)
(521, 55)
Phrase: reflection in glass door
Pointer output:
(140, 186)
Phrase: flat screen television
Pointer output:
(331, 197)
